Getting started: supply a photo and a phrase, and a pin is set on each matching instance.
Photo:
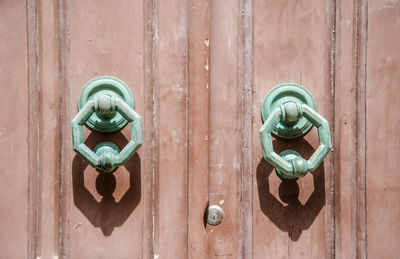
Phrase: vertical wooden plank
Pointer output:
(225, 128)
(293, 42)
(64, 119)
(198, 105)
(104, 38)
(14, 130)
(350, 130)
(382, 124)
(360, 80)
(245, 81)
(171, 59)
(148, 130)
(33, 46)
(349, 140)
(327, 108)
(49, 130)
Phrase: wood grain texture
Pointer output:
(382, 124)
(14, 138)
(293, 42)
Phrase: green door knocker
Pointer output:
(289, 111)
(106, 105)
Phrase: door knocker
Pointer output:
(106, 104)
(289, 111)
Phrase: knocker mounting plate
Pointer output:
(110, 86)
(280, 95)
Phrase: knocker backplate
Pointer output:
(281, 94)
(110, 86)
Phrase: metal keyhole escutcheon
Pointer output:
(106, 105)
(215, 215)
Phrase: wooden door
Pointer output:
(199, 71)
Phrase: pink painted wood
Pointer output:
(199, 71)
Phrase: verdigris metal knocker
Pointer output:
(106, 105)
(289, 111)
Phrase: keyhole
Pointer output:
(216, 215)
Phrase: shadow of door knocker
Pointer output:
(106, 214)
(294, 217)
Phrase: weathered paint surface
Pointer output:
(14, 130)
(199, 71)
